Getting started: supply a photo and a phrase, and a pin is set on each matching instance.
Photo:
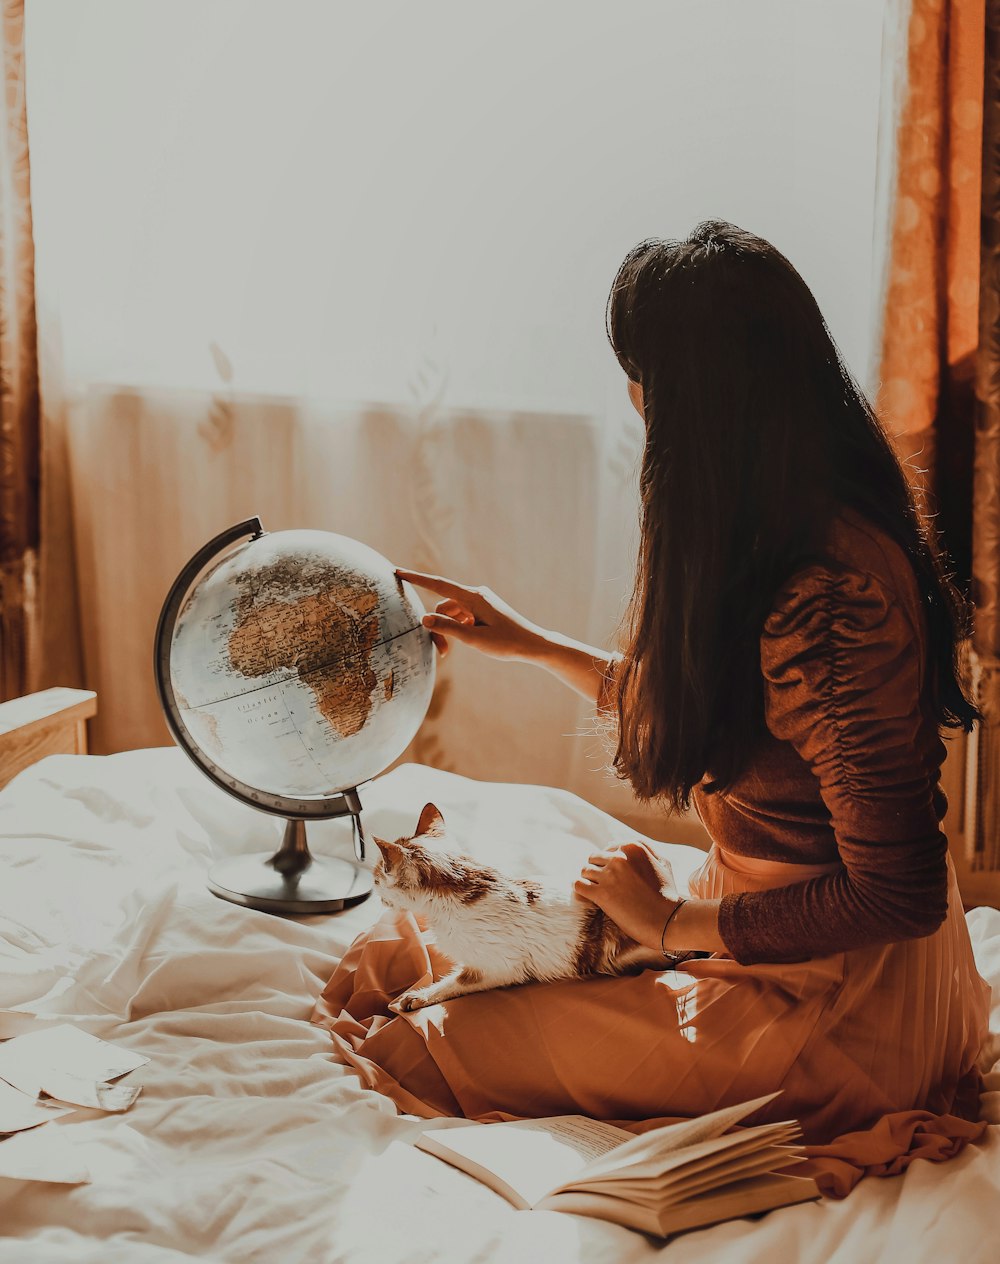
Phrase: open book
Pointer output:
(662, 1181)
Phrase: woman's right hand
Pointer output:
(476, 617)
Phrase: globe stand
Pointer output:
(293, 880)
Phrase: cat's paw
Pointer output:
(409, 1001)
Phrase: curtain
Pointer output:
(983, 829)
(938, 371)
(459, 491)
(930, 142)
(19, 395)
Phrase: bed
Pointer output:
(248, 1142)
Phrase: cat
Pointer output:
(498, 930)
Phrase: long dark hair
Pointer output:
(756, 434)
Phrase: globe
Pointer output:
(292, 667)
(299, 664)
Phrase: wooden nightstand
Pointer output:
(53, 722)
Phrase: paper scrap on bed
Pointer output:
(71, 1065)
(44, 1154)
(19, 1111)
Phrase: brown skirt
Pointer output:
(875, 1049)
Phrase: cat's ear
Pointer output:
(392, 853)
(431, 821)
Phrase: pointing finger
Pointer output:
(437, 584)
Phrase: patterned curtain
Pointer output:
(940, 338)
(929, 302)
(19, 395)
(983, 803)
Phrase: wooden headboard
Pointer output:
(53, 722)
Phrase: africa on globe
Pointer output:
(299, 665)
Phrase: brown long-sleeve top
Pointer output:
(848, 770)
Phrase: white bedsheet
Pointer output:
(248, 1143)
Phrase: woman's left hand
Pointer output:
(633, 887)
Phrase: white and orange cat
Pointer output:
(497, 930)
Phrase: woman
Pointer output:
(791, 652)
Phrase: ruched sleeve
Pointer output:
(842, 664)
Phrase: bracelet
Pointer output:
(670, 916)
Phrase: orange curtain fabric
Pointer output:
(930, 303)
(940, 343)
(19, 394)
(983, 825)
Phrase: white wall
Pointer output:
(333, 192)
(406, 204)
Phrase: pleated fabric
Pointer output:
(874, 1049)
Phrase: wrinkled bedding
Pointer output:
(248, 1142)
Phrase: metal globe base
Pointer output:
(292, 879)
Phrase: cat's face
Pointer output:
(402, 874)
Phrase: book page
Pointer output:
(760, 1193)
(601, 1207)
(744, 1199)
(689, 1132)
(682, 1185)
(752, 1166)
(527, 1158)
(709, 1154)
(657, 1163)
